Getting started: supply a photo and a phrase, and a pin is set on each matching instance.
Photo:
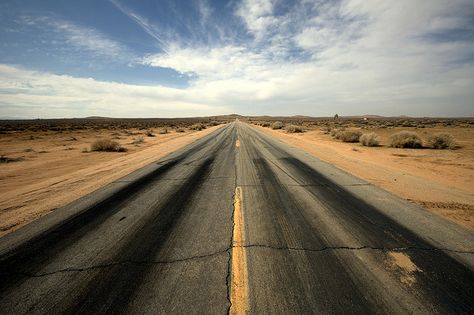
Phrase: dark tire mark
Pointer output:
(285, 208)
(446, 282)
(34, 253)
(111, 290)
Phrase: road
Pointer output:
(238, 222)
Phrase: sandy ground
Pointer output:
(439, 180)
(53, 170)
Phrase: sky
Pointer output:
(183, 58)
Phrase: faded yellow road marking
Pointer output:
(239, 287)
(237, 143)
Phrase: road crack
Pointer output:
(124, 262)
(349, 248)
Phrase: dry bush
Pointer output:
(213, 123)
(163, 131)
(138, 140)
(406, 139)
(277, 125)
(335, 131)
(348, 136)
(265, 124)
(369, 139)
(293, 129)
(442, 141)
(197, 127)
(180, 130)
(107, 145)
(149, 133)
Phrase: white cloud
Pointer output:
(350, 57)
(80, 37)
(77, 97)
(257, 15)
(367, 56)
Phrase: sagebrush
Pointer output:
(441, 141)
(293, 129)
(107, 145)
(369, 139)
(348, 136)
(406, 139)
(277, 125)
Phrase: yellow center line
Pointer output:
(239, 287)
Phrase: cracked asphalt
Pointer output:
(315, 240)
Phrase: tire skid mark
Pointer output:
(46, 244)
(294, 228)
(446, 290)
(111, 291)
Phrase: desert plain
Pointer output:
(46, 164)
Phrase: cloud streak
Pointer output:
(143, 23)
(80, 37)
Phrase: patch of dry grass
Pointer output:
(138, 140)
(107, 145)
(293, 129)
(197, 127)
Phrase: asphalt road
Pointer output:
(238, 222)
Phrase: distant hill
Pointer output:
(97, 117)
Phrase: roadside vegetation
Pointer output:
(369, 139)
(277, 125)
(406, 139)
(442, 141)
(107, 145)
(358, 130)
(294, 129)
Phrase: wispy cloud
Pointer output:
(143, 23)
(80, 37)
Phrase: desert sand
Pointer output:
(50, 169)
(439, 180)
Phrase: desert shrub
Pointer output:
(369, 139)
(442, 141)
(180, 130)
(405, 139)
(277, 125)
(163, 131)
(138, 140)
(348, 136)
(197, 127)
(213, 123)
(334, 132)
(265, 124)
(293, 128)
(107, 145)
(149, 133)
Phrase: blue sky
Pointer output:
(170, 58)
